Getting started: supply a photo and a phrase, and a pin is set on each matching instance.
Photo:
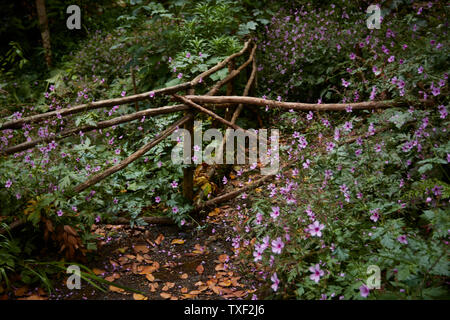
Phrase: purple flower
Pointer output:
(352, 56)
(275, 281)
(8, 183)
(330, 146)
(224, 180)
(375, 215)
(275, 212)
(180, 75)
(436, 91)
(364, 291)
(152, 94)
(60, 213)
(123, 93)
(277, 245)
(316, 273)
(345, 83)
(315, 229)
(391, 59)
(175, 209)
(157, 199)
(174, 184)
(402, 239)
(348, 126)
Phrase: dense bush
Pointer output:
(380, 199)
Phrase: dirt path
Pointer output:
(166, 262)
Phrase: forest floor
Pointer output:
(166, 262)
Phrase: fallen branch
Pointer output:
(220, 65)
(210, 113)
(236, 113)
(232, 75)
(247, 88)
(294, 105)
(16, 124)
(149, 220)
(13, 226)
(99, 125)
(235, 193)
(160, 137)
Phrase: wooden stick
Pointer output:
(100, 125)
(188, 171)
(220, 65)
(246, 91)
(232, 74)
(160, 137)
(235, 193)
(150, 220)
(208, 112)
(294, 105)
(13, 226)
(15, 124)
(236, 113)
(133, 79)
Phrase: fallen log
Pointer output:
(294, 105)
(160, 137)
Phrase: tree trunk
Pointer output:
(45, 31)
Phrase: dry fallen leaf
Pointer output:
(150, 277)
(215, 212)
(141, 248)
(225, 283)
(200, 269)
(116, 289)
(98, 271)
(137, 296)
(168, 285)
(184, 290)
(159, 239)
(220, 267)
(19, 292)
(177, 241)
(165, 295)
(223, 258)
(33, 297)
(195, 292)
(184, 276)
(153, 286)
(113, 277)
